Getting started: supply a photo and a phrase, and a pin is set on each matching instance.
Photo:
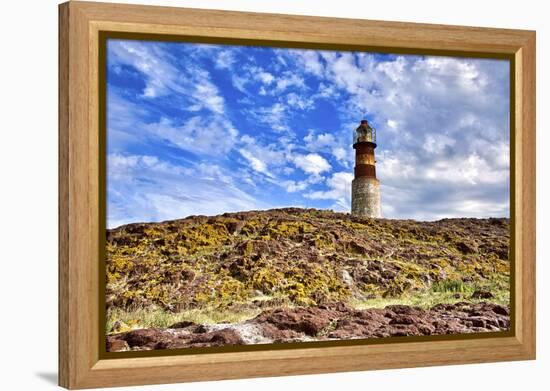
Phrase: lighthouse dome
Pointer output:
(364, 133)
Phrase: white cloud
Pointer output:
(289, 79)
(239, 82)
(437, 143)
(299, 102)
(339, 190)
(344, 72)
(203, 135)
(225, 59)
(395, 168)
(123, 121)
(338, 144)
(265, 159)
(256, 163)
(312, 163)
(327, 91)
(341, 154)
(210, 97)
(294, 186)
(308, 59)
(395, 70)
(472, 170)
(122, 167)
(274, 116)
(210, 171)
(266, 77)
(318, 141)
(270, 84)
(392, 124)
(447, 72)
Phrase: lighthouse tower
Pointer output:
(365, 188)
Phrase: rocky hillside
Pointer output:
(302, 257)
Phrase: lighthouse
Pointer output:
(365, 187)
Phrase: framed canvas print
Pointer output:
(248, 195)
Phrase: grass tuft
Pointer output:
(454, 286)
(157, 317)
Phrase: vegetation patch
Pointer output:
(228, 267)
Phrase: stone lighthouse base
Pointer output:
(365, 197)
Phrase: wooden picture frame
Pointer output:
(81, 364)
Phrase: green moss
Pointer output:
(314, 284)
(267, 280)
(223, 292)
(323, 240)
(204, 235)
(288, 229)
(251, 228)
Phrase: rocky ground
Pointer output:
(258, 270)
(326, 322)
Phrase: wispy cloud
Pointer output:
(164, 74)
(145, 188)
(206, 135)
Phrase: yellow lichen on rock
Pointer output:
(300, 257)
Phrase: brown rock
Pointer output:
(217, 338)
(234, 227)
(405, 319)
(116, 345)
(141, 337)
(498, 309)
(481, 294)
(477, 322)
(467, 247)
(181, 325)
(309, 321)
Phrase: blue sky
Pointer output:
(207, 129)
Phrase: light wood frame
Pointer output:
(80, 364)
